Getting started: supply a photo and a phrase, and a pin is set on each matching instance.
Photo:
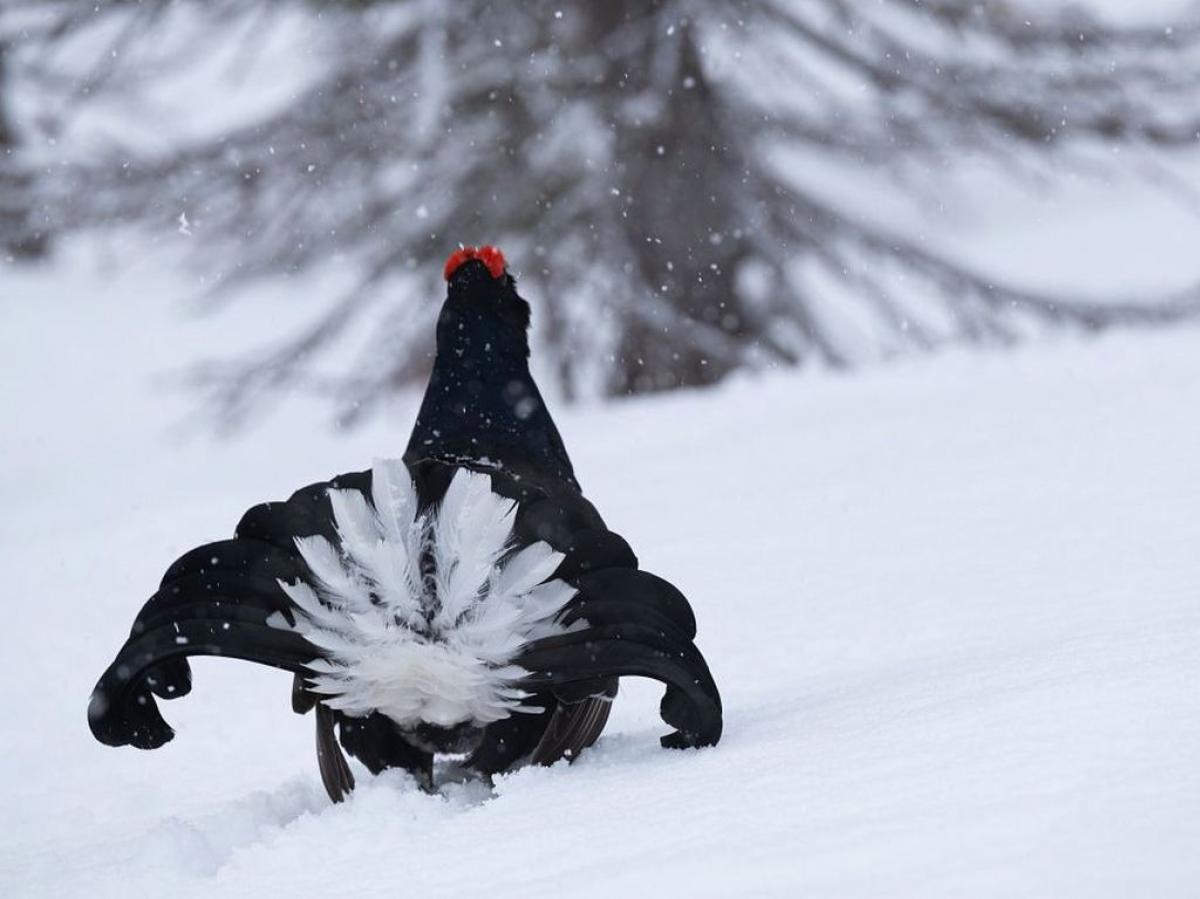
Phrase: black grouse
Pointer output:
(467, 599)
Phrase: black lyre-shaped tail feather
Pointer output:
(636, 625)
(625, 622)
(225, 599)
(215, 601)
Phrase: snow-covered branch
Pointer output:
(625, 152)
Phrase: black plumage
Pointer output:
(482, 412)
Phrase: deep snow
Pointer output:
(953, 606)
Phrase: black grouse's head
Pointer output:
(482, 403)
(483, 315)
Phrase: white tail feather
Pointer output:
(335, 584)
(470, 534)
(441, 651)
(384, 565)
(395, 500)
(356, 523)
(394, 497)
(528, 568)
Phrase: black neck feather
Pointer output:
(482, 406)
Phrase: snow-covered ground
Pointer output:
(953, 606)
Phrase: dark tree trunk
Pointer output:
(678, 173)
(18, 237)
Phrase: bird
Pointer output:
(464, 601)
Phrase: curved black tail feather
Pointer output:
(184, 619)
(225, 599)
(691, 704)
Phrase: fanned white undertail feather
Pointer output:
(470, 534)
(528, 568)
(440, 649)
(384, 565)
(394, 497)
(305, 599)
(356, 524)
(528, 610)
(335, 584)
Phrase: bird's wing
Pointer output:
(574, 726)
(335, 770)
(373, 740)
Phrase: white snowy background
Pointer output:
(952, 603)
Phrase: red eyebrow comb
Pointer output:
(488, 255)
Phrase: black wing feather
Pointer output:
(335, 770)
(574, 727)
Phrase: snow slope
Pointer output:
(953, 606)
